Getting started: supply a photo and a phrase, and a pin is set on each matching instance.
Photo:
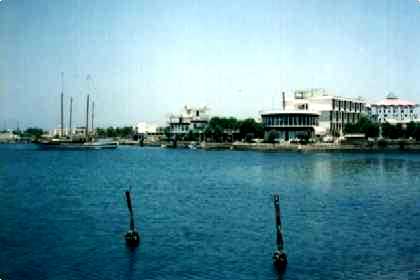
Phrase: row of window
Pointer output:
(397, 110)
(402, 116)
(396, 117)
(290, 120)
(186, 127)
(344, 117)
(392, 106)
(347, 105)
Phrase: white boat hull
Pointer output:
(78, 146)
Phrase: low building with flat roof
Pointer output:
(291, 124)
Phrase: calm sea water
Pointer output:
(207, 215)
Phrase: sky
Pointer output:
(147, 59)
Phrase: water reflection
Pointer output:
(132, 257)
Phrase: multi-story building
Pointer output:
(191, 119)
(335, 111)
(314, 112)
(394, 110)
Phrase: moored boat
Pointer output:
(68, 145)
(68, 141)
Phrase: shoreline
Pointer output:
(365, 146)
(359, 146)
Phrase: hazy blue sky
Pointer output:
(149, 58)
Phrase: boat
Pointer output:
(193, 146)
(58, 144)
(73, 142)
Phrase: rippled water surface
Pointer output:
(207, 215)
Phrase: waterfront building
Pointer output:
(335, 111)
(393, 110)
(314, 112)
(145, 128)
(147, 131)
(75, 131)
(8, 137)
(194, 119)
(290, 124)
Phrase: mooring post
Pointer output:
(279, 257)
(132, 237)
(130, 209)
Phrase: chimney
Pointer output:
(284, 100)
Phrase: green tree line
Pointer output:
(111, 132)
(411, 130)
(365, 126)
(390, 131)
(221, 129)
(31, 132)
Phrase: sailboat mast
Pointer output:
(62, 109)
(71, 111)
(93, 115)
(87, 117)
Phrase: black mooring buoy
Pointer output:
(279, 257)
(132, 237)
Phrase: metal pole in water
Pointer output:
(132, 237)
(279, 257)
